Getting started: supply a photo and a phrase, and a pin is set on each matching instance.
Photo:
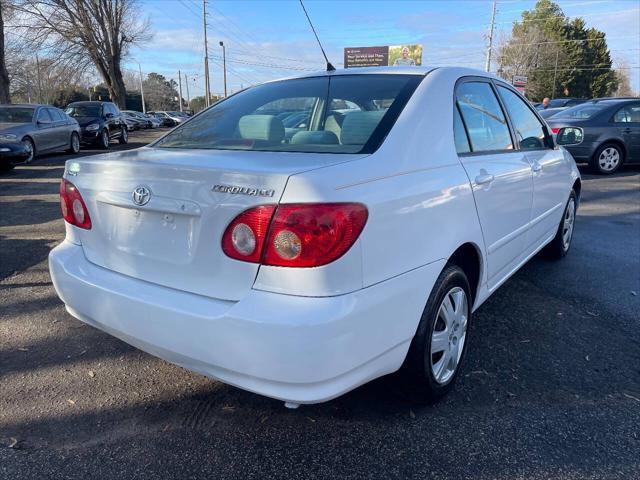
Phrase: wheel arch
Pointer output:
(468, 257)
(577, 187)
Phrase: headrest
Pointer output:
(357, 127)
(321, 137)
(261, 127)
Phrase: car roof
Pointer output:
(404, 70)
(89, 102)
(26, 105)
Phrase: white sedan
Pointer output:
(301, 264)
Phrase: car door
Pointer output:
(627, 121)
(44, 132)
(550, 170)
(500, 176)
(59, 128)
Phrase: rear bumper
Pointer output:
(297, 349)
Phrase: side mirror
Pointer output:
(108, 115)
(569, 136)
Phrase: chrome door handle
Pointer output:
(484, 178)
(536, 167)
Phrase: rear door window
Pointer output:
(486, 124)
(339, 114)
(459, 133)
(628, 114)
(529, 130)
(43, 116)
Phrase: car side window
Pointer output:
(55, 115)
(486, 124)
(628, 114)
(43, 116)
(459, 133)
(529, 130)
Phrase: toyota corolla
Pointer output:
(300, 265)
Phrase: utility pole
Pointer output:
(487, 66)
(39, 82)
(207, 94)
(186, 83)
(144, 108)
(180, 87)
(555, 74)
(224, 67)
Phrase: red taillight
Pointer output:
(244, 237)
(555, 130)
(73, 208)
(298, 235)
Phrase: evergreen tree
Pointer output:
(560, 57)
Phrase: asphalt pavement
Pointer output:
(550, 389)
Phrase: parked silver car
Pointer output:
(30, 130)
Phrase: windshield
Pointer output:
(83, 110)
(583, 111)
(16, 115)
(341, 114)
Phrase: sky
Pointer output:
(271, 39)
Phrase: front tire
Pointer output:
(74, 144)
(124, 136)
(439, 346)
(103, 140)
(31, 148)
(607, 159)
(561, 243)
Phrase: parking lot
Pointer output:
(551, 387)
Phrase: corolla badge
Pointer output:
(141, 195)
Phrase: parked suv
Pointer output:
(302, 267)
(100, 122)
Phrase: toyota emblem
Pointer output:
(141, 195)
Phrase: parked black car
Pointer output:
(562, 103)
(603, 132)
(29, 130)
(100, 122)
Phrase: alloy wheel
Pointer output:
(75, 143)
(609, 159)
(567, 224)
(30, 150)
(105, 139)
(449, 335)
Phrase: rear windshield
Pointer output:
(341, 114)
(83, 110)
(583, 111)
(16, 114)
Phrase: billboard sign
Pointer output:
(520, 82)
(393, 55)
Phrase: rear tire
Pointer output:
(439, 346)
(607, 159)
(561, 243)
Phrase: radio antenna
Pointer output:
(330, 68)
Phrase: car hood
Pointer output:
(84, 121)
(14, 127)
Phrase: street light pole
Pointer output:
(207, 94)
(186, 83)
(224, 66)
(144, 108)
(180, 88)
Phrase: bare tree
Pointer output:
(624, 82)
(5, 97)
(99, 30)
